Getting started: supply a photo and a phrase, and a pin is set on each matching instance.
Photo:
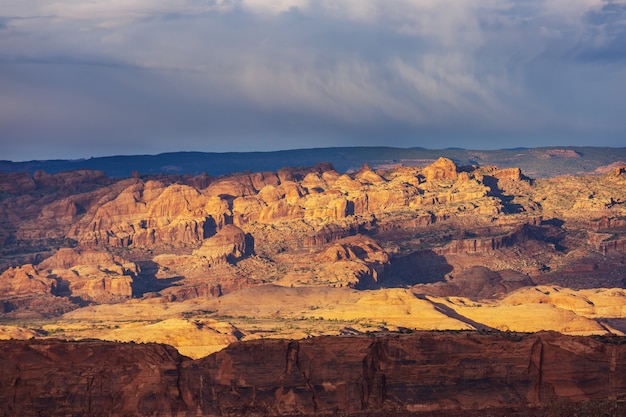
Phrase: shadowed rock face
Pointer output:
(477, 282)
(406, 374)
(56, 378)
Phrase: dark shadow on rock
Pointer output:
(147, 280)
(40, 306)
(350, 208)
(210, 227)
(247, 252)
(450, 312)
(249, 245)
(62, 287)
(422, 267)
(553, 222)
(367, 282)
(80, 302)
(509, 207)
(477, 283)
(549, 232)
(594, 270)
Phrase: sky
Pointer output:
(81, 79)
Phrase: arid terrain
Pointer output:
(201, 263)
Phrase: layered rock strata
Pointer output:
(416, 374)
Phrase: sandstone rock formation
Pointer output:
(17, 333)
(420, 374)
(201, 262)
(359, 254)
(475, 232)
(441, 169)
(25, 280)
(98, 379)
(195, 339)
(229, 244)
(24, 196)
(146, 214)
(384, 374)
(88, 275)
(142, 214)
(91, 275)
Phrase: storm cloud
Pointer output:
(108, 77)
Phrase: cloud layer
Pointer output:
(81, 79)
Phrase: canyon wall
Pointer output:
(413, 374)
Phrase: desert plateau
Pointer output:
(443, 289)
(312, 208)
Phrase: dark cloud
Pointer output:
(605, 40)
(82, 79)
(610, 13)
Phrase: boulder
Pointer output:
(230, 188)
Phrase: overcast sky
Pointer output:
(109, 77)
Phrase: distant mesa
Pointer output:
(172, 168)
(615, 167)
(534, 161)
(562, 153)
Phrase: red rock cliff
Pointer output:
(404, 374)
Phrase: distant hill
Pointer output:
(534, 162)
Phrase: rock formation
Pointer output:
(472, 231)
(152, 213)
(194, 338)
(88, 275)
(441, 169)
(91, 275)
(200, 262)
(420, 374)
(229, 244)
(25, 280)
(98, 379)
(477, 283)
(359, 258)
